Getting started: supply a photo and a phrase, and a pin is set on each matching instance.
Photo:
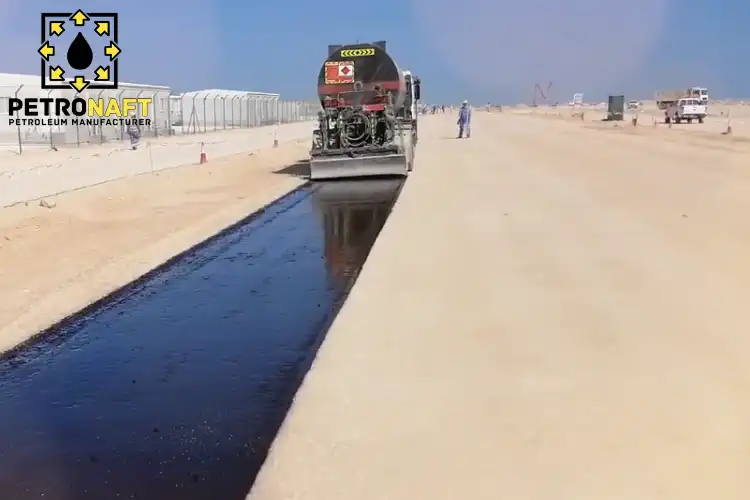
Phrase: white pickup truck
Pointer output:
(686, 109)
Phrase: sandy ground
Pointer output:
(37, 174)
(57, 260)
(553, 311)
(721, 116)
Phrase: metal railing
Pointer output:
(191, 113)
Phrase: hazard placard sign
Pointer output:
(339, 72)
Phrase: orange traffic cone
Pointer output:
(204, 158)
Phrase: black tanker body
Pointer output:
(363, 128)
(362, 71)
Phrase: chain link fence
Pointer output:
(190, 113)
(214, 110)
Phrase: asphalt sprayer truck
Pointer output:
(368, 123)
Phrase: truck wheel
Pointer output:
(700, 120)
(690, 120)
(667, 120)
(677, 120)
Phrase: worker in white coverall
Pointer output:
(464, 120)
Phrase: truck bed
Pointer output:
(669, 95)
(665, 98)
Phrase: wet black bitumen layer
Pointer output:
(176, 387)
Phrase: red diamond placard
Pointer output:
(338, 72)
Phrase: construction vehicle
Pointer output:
(667, 98)
(686, 109)
(368, 123)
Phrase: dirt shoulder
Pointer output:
(550, 312)
(57, 260)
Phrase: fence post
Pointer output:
(234, 123)
(154, 120)
(18, 124)
(223, 110)
(255, 110)
(122, 125)
(193, 115)
(247, 110)
(205, 116)
(51, 141)
(170, 126)
(101, 126)
(138, 96)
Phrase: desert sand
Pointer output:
(556, 309)
(92, 241)
(721, 115)
(38, 172)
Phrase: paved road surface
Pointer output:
(552, 312)
(95, 240)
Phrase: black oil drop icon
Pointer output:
(80, 55)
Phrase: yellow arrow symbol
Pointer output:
(79, 83)
(46, 50)
(112, 51)
(79, 18)
(102, 27)
(56, 27)
(56, 74)
(102, 74)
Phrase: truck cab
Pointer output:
(412, 95)
(686, 109)
(411, 104)
(700, 93)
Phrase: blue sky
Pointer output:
(482, 50)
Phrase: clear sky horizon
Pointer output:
(481, 50)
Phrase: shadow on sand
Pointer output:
(298, 169)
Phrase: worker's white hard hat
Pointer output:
(465, 102)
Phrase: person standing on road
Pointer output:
(464, 120)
